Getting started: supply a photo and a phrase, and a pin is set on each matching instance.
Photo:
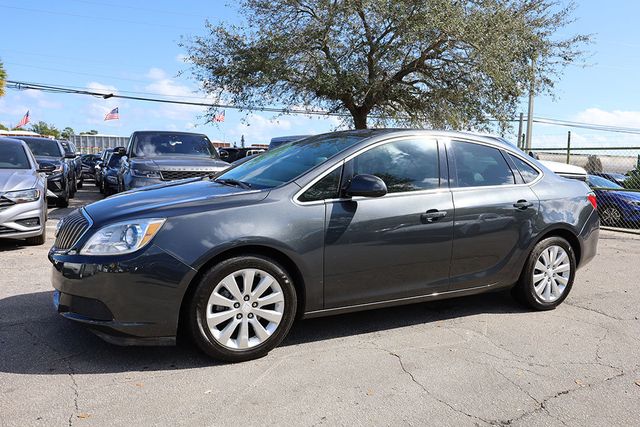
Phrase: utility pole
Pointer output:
(530, 112)
(519, 143)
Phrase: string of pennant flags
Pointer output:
(115, 115)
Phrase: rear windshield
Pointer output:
(168, 144)
(44, 147)
(13, 156)
(283, 164)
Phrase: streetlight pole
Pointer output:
(530, 112)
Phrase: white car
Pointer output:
(23, 198)
(565, 170)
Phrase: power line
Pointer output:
(11, 84)
(154, 97)
(105, 18)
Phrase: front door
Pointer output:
(395, 246)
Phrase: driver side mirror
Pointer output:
(367, 186)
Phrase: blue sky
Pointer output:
(117, 45)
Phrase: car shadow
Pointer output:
(35, 340)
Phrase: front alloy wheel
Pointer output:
(242, 308)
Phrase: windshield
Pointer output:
(114, 160)
(44, 147)
(67, 148)
(149, 144)
(12, 156)
(276, 167)
(598, 181)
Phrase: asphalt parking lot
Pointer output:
(471, 361)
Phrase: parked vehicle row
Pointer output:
(330, 224)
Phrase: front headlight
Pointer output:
(145, 173)
(123, 237)
(23, 196)
(58, 169)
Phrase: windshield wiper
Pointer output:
(233, 182)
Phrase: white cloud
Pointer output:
(610, 118)
(259, 129)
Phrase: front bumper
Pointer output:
(10, 217)
(133, 299)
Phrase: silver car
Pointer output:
(23, 197)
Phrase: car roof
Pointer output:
(169, 132)
(15, 141)
(373, 133)
(34, 138)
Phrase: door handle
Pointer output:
(522, 204)
(432, 215)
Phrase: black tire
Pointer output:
(81, 182)
(524, 290)
(63, 202)
(96, 182)
(38, 240)
(74, 187)
(196, 315)
(610, 216)
(102, 187)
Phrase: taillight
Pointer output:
(593, 201)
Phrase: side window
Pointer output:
(406, 165)
(527, 171)
(479, 165)
(326, 188)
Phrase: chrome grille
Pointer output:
(171, 175)
(5, 203)
(72, 228)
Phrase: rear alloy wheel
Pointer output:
(548, 274)
(242, 308)
(610, 216)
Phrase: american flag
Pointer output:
(112, 115)
(24, 120)
(219, 117)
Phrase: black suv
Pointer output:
(75, 163)
(52, 160)
(153, 157)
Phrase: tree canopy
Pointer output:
(44, 128)
(439, 63)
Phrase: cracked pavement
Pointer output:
(481, 360)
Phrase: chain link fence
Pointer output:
(614, 176)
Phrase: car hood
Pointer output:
(171, 199)
(17, 179)
(180, 163)
(629, 195)
(47, 160)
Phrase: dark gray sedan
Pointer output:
(330, 224)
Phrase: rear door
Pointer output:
(495, 213)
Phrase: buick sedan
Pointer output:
(330, 224)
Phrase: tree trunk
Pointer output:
(359, 119)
